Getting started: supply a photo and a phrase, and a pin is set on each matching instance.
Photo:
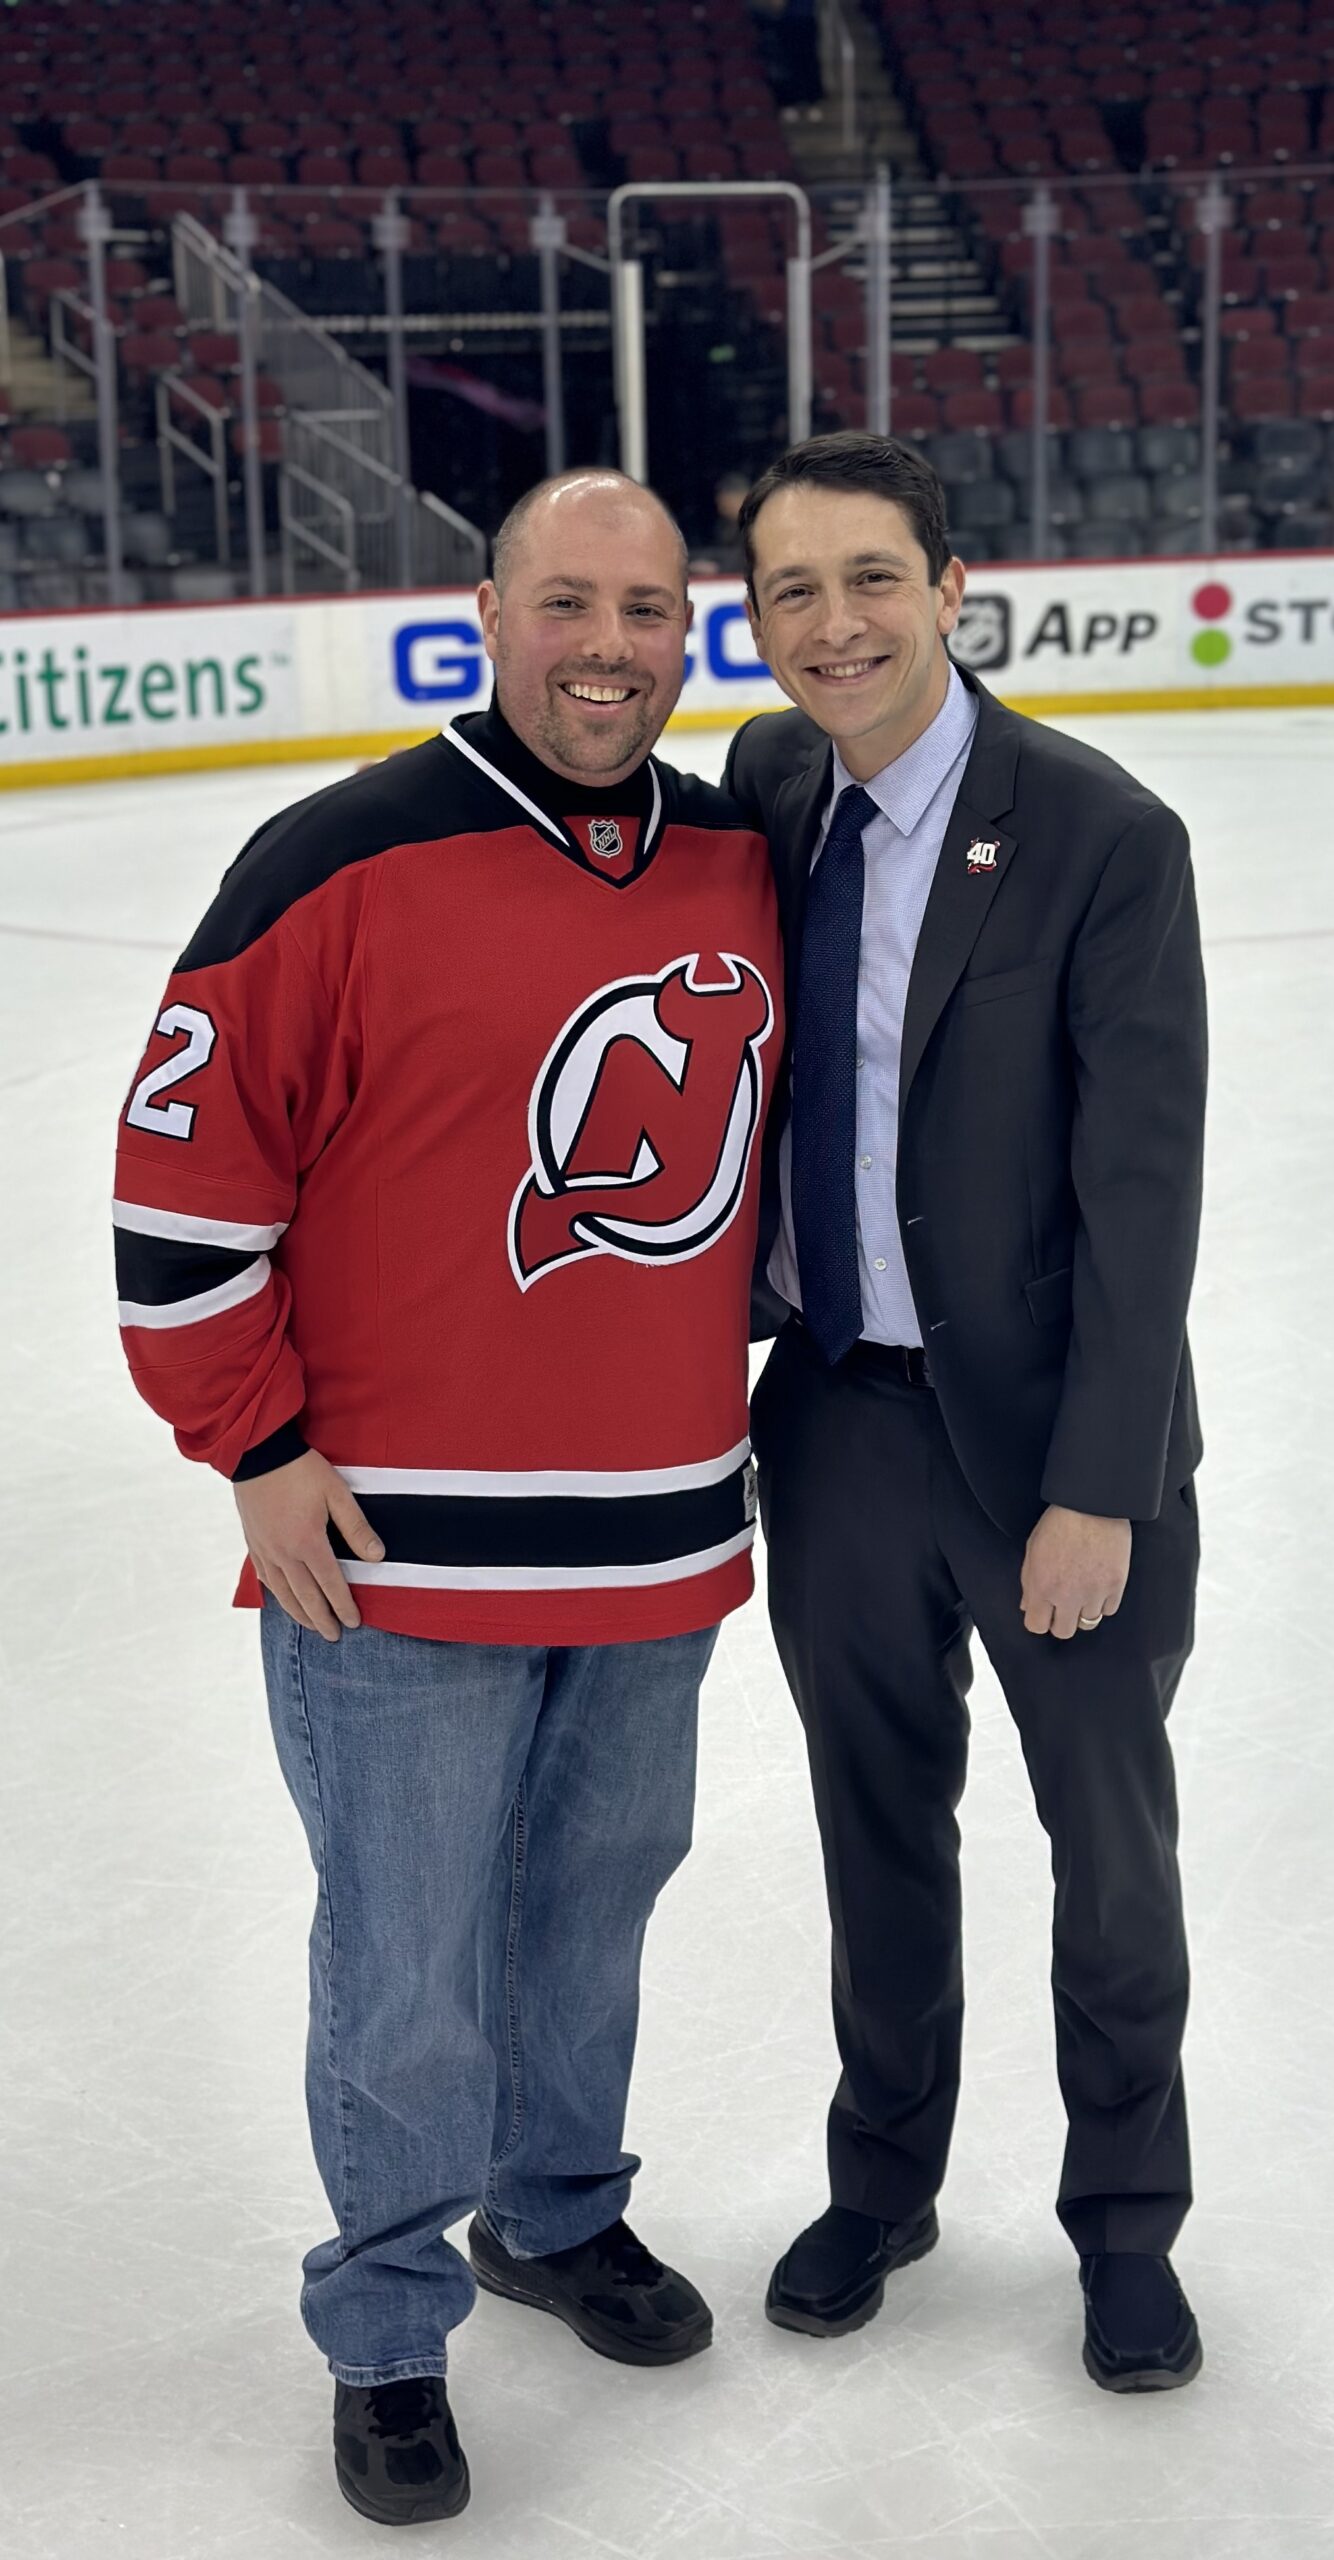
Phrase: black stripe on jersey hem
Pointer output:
(156, 1271)
(278, 1450)
(560, 1529)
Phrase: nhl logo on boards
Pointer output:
(604, 838)
(982, 855)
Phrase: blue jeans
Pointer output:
(491, 1826)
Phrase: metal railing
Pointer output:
(318, 527)
(838, 68)
(339, 510)
(317, 377)
(174, 390)
(70, 313)
(95, 231)
(1218, 318)
(449, 550)
(350, 505)
(854, 326)
(627, 290)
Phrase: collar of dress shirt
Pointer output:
(904, 790)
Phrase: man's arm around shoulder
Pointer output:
(738, 779)
(767, 749)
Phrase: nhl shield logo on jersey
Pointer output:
(643, 1117)
(604, 838)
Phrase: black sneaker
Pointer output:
(1139, 2329)
(610, 2290)
(396, 2451)
(832, 2279)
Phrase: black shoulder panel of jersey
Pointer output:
(690, 802)
(414, 797)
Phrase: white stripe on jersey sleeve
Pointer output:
(176, 1228)
(197, 1310)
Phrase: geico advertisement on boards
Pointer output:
(1085, 629)
(439, 662)
(373, 671)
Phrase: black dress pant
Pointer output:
(881, 1564)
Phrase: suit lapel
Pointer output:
(955, 912)
(961, 897)
(799, 806)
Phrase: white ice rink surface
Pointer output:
(158, 2397)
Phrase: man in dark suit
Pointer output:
(979, 1414)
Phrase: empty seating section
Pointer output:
(474, 101)
(318, 110)
(1119, 115)
(310, 109)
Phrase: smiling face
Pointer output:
(587, 630)
(849, 619)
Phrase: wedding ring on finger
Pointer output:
(1088, 1624)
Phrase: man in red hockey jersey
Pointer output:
(436, 1206)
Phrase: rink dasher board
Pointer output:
(92, 696)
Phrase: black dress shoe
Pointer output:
(833, 2276)
(1139, 2329)
(396, 2451)
(619, 2299)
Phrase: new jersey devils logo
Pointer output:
(643, 1117)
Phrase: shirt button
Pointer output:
(880, 1262)
(866, 1164)
(860, 1064)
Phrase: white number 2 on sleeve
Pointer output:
(173, 1119)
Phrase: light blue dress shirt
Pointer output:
(914, 798)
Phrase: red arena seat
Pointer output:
(1169, 404)
(256, 169)
(915, 413)
(268, 438)
(40, 448)
(215, 350)
(43, 277)
(203, 389)
(1107, 404)
(953, 369)
(332, 236)
(148, 351)
(1258, 399)
(190, 168)
(983, 410)
(89, 136)
(127, 277)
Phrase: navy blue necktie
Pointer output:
(824, 1084)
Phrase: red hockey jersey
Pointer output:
(443, 1159)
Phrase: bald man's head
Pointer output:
(555, 498)
(585, 618)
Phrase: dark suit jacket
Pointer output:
(1051, 1110)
